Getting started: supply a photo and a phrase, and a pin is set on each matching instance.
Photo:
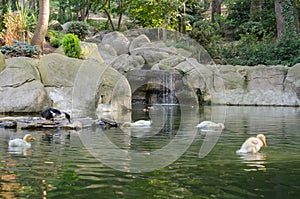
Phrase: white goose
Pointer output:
(21, 143)
(253, 144)
(209, 125)
(139, 123)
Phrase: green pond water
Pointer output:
(172, 159)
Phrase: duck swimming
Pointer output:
(25, 142)
(210, 125)
(51, 113)
(139, 123)
(253, 144)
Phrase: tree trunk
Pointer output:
(296, 14)
(215, 10)
(42, 26)
(285, 17)
(255, 10)
(279, 19)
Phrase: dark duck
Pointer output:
(52, 113)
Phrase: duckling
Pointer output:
(210, 125)
(25, 142)
(52, 113)
(253, 144)
(139, 123)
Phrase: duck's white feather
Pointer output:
(253, 144)
(25, 142)
(210, 125)
(139, 123)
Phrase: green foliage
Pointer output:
(98, 26)
(71, 47)
(54, 37)
(79, 28)
(250, 51)
(155, 13)
(20, 49)
(238, 18)
(17, 24)
(4, 11)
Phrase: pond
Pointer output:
(171, 159)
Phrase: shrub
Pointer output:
(79, 28)
(71, 47)
(55, 38)
(20, 49)
(250, 51)
(17, 25)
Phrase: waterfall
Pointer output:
(169, 97)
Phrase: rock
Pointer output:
(151, 56)
(107, 52)
(125, 62)
(61, 97)
(262, 77)
(20, 87)
(2, 62)
(118, 41)
(292, 81)
(90, 51)
(138, 42)
(115, 94)
(231, 77)
(58, 70)
(86, 87)
(66, 25)
(9, 124)
(55, 25)
(198, 75)
(170, 62)
(77, 125)
(258, 85)
(28, 125)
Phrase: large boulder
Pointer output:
(118, 41)
(198, 75)
(138, 42)
(20, 87)
(2, 62)
(58, 70)
(89, 51)
(80, 85)
(261, 77)
(169, 63)
(125, 62)
(115, 96)
(107, 52)
(255, 85)
(292, 81)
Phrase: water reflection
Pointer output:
(60, 166)
(256, 161)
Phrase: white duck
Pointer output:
(209, 125)
(25, 142)
(139, 123)
(253, 144)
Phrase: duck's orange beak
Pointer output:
(32, 138)
(264, 143)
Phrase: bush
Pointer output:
(55, 38)
(20, 49)
(250, 51)
(79, 28)
(71, 47)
